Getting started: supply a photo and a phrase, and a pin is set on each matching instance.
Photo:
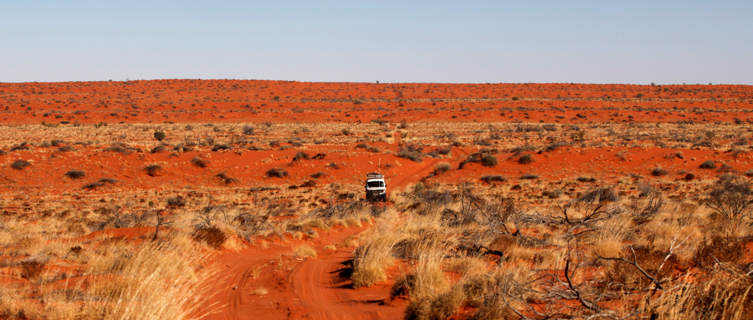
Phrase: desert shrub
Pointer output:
(75, 174)
(529, 176)
(586, 179)
(525, 159)
(731, 198)
(708, 164)
(485, 158)
(552, 194)
(248, 130)
(99, 183)
(31, 268)
(159, 135)
(317, 175)
(436, 153)
(493, 178)
(412, 152)
(211, 235)
(153, 170)
(276, 173)
(499, 294)
(718, 249)
(301, 156)
(120, 147)
(726, 294)
(201, 163)
(219, 147)
(158, 149)
(441, 168)
(176, 202)
(367, 147)
(599, 195)
(224, 178)
(749, 173)
(253, 224)
(488, 160)
(658, 172)
(20, 164)
(22, 146)
(650, 259)
(554, 146)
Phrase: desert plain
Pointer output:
(244, 199)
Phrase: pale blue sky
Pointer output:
(389, 41)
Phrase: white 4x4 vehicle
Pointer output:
(376, 188)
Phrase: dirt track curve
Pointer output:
(311, 288)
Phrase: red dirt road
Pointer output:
(312, 288)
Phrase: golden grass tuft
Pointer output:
(371, 259)
(304, 252)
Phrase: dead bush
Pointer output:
(731, 198)
(718, 249)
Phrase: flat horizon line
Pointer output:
(382, 82)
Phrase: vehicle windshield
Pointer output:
(375, 184)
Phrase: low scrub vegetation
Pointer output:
(468, 248)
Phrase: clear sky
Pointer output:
(390, 41)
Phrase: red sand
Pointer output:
(160, 101)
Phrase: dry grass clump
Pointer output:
(159, 282)
(305, 251)
(609, 241)
(149, 281)
(726, 293)
(371, 259)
